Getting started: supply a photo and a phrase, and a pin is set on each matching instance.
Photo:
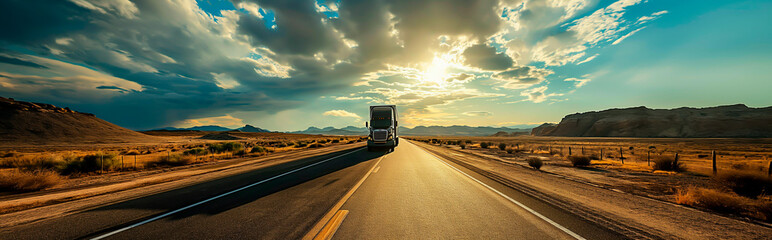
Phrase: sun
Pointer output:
(436, 72)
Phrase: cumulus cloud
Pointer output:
(341, 113)
(485, 57)
(522, 77)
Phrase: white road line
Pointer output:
(216, 197)
(564, 229)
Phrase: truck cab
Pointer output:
(382, 127)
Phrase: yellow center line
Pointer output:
(332, 226)
(330, 214)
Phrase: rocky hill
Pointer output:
(722, 121)
(40, 123)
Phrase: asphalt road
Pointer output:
(407, 194)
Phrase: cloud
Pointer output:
(341, 113)
(578, 82)
(478, 114)
(522, 77)
(223, 121)
(171, 61)
(537, 94)
(485, 57)
(626, 36)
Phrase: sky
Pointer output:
(289, 64)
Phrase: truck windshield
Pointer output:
(381, 118)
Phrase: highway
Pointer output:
(405, 194)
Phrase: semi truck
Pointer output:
(382, 128)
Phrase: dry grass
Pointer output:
(725, 202)
(747, 183)
(22, 181)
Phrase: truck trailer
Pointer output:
(382, 127)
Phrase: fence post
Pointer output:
(601, 154)
(715, 169)
(648, 158)
(569, 151)
(135, 162)
(582, 150)
(675, 161)
(102, 162)
(121, 162)
(769, 169)
(621, 157)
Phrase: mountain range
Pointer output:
(417, 131)
(214, 128)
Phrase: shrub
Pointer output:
(232, 146)
(510, 150)
(666, 163)
(315, 145)
(712, 199)
(335, 141)
(215, 147)
(90, 163)
(462, 145)
(747, 184)
(28, 181)
(301, 144)
(257, 149)
(535, 163)
(468, 141)
(579, 160)
(170, 160)
(241, 152)
(502, 146)
(195, 152)
(484, 145)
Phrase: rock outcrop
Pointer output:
(723, 121)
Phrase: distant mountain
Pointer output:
(722, 121)
(350, 130)
(456, 130)
(40, 123)
(524, 126)
(209, 128)
(418, 131)
(250, 128)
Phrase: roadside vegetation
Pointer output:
(32, 171)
